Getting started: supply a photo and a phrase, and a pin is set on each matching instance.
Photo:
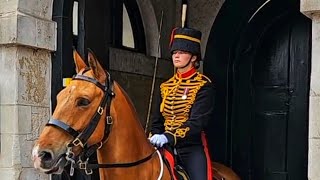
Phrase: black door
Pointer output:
(271, 74)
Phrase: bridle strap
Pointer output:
(91, 80)
(89, 151)
(121, 165)
(83, 137)
(63, 126)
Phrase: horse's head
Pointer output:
(79, 117)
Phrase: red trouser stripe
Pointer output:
(170, 158)
(206, 151)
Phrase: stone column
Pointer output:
(311, 8)
(27, 38)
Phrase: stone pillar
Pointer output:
(27, 38)
(311, 8)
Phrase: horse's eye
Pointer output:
(83, 102)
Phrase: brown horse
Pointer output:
(92, 114)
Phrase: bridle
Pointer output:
(81, 161)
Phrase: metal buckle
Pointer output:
(100, 110)
(77, 142)
(88, 171)
(83, 165)
(109, 120)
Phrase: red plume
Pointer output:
(172, 36)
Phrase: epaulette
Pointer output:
(168, 81)
(206, 77)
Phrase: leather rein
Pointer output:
(81, 161)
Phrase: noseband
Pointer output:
(81, 138)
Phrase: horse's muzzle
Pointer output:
(45, 161)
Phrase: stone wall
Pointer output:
(311, 8)
(27, 37)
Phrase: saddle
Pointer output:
(177, 172)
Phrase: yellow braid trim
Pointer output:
(174, 137)
(187, 38)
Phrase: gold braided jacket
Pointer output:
(178, 95)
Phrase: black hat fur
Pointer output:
(186, 39)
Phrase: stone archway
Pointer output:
(150, 26)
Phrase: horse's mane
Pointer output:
(129, 103)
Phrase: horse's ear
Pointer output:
(96, 67)
(80, 64)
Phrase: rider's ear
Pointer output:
(97, 69)
(80, 64)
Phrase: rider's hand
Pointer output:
(158, 140)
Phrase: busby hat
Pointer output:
(186, 39)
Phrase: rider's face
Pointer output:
(181, 59)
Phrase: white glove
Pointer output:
(158, 140)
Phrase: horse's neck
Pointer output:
(127, 141)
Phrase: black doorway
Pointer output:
(261, 64)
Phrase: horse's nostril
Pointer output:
(45, 156)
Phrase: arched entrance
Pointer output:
(260, 58)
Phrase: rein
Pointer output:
(119, 165)
(80, 138)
